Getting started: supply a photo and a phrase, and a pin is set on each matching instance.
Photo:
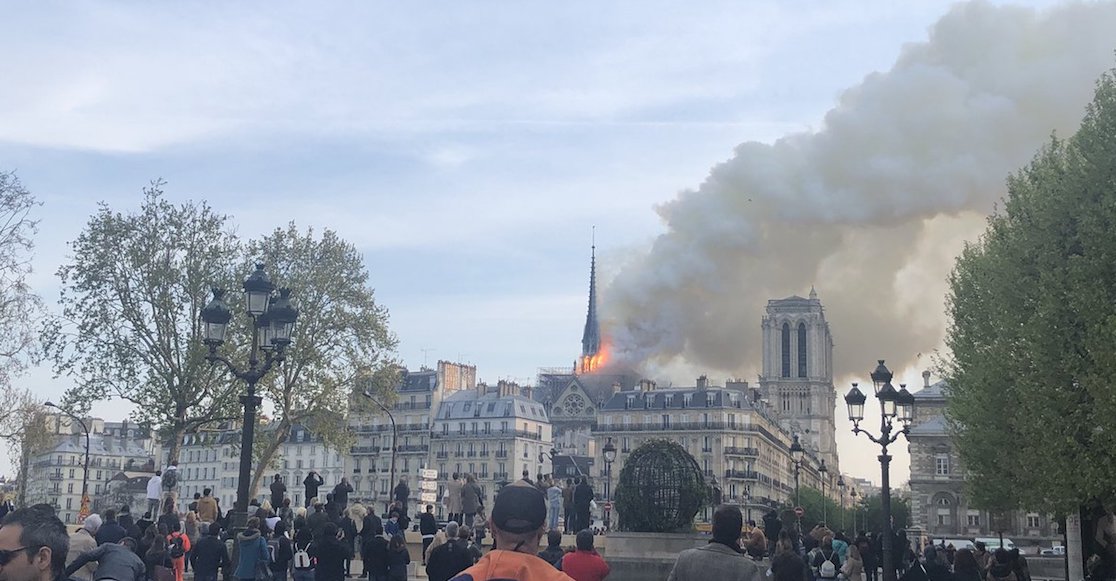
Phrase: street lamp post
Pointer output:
(273, 319)
(893, 404)
(748, 501)
(394, 441)
(609, 451)
(855, 508)
(82, 512)
(824, 473)
(841, 485)
(796, 456)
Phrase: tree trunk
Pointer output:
(268, 453)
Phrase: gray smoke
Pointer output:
(872, 208)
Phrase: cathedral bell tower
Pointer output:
(797, 377)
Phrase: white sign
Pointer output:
(429, 497)
(428, 474)
(428, 485)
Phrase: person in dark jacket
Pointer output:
(449, 558)
(110, 532)
(772, 526)
(374, 554)
(156, 556)
(317, 520)
(284, 552)
(398, 559)
(312, 482)
(331, 551)
(341, 493)
(553, 552)
(124, 517)
(965, 567)
(936, 568)
(144, 523)
(372, 527)
(278, 489)
(333, 510)
(209, 555)
(428, 527)
(348, 528)
(114, 561)
(401, 495)
(583, 498)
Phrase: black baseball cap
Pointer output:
(519, 508)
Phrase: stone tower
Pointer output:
(797, 377)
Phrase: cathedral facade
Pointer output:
(797, 373)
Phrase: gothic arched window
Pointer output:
(802, 349)
(786, 350)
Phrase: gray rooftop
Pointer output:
(470, 404)
(935, 426)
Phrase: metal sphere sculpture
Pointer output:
(660, 489)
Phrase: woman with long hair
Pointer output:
(965, 567)
(398, 559)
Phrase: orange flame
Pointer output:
(595, 362)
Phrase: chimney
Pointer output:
(702, 382)
(926, 378)
(737, 384)
(646, 385)
(616, 388)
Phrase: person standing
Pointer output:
(341, 493)
(303, 564)
(428, 527)
(449, 558)
(453, 499)
(553, 552)
(470, 498)
(81, 541)
(554, 500)
(317, 521)
(583, 498)
(374, 555)
(399, 559)
(209, 555)
(568, 505)
(251, 551)
(208, 512)
(585, 564)
(331, 553)
(721, 558)
(278, 490)
(312, 482)
(348, 529)
(192, 528)
(154, 493)
(178, 547)
(402, 494)
(279, 546)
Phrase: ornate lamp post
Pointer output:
(823, 472)
(796, 456)
(84, 510)
(609, 451)
(855, 507)
(841, 485)
(893, 405)
(394, 440)
(273, 319)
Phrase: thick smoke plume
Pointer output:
(872, 208)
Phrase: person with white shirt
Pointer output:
(154, 491)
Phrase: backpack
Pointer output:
(302, 558)
(176, 550)
(827, 570)
(170, 479)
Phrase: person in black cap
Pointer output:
(518, 523)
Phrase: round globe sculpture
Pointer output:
(660, 489)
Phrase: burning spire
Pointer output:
(593, 353)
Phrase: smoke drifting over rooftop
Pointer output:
(872, 207)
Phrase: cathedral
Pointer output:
(797, 372)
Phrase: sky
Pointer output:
(468, 149)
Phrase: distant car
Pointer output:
(993, 543)
(1059, 551)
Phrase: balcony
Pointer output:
(459, 454)
(499, 475)
(365, 450)
(492, 434)
(56, 476)
(471, 454)
(414, 427)
(501, 453)
(441, 454)
(414, 448)
(484, 453)
(737, 451)
(672, 427)
(742, 474)
(406, 405)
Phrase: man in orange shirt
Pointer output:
(178, 545)
(518, 523)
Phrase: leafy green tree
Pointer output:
(342, 335)
(1033, 323)
(867, 510)
(131, 297)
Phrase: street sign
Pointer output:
(799, 511)
(428, 486)
(608, 505)
(429, 497)
(428, 474)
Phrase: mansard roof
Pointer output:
(425, 381)
(683, 398)
(468, 404)
(935, 426)
(934, 391)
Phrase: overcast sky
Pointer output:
(467, 148)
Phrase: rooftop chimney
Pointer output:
(646, 385)
(926, 378)
(616, 388)
(703, 382)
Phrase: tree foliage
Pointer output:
(342, 334)
(131, 298)
(23, 425)
(20, 309)
(1033, 323)
(866, 512)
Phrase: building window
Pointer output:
(973, 518)
(786, 350)
(802, 350)
(666, 421)
(941, 464)
(943, 517)
(1032, 520)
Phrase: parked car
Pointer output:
(993, 543)
(1058, 551)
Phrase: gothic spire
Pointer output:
(591, 339)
